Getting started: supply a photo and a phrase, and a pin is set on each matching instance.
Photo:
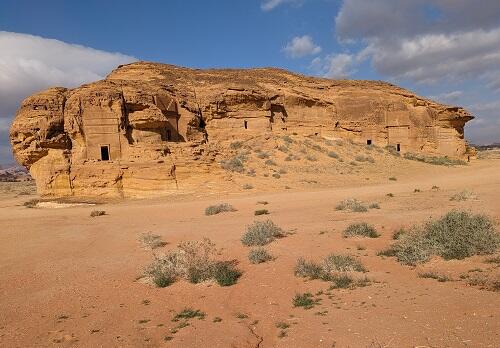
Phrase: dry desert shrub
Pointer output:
(261, 233)
(360, 230)
(151, 240)
(340, 270)
(219, 208)
(259, 255)
(235, 164)
(261, 212)
(95, 213)
(456, 235)
(463, 196)
(351, 204)
(441, 161)
(193, 261)
(433, 275)
(32, 203)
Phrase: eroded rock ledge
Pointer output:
(147, 125)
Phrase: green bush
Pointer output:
(360, 229)
(225, 273)
(219, 208)
(261, 233)
(304, 300)
(456, 235)
(259, 255)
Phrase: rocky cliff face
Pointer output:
(147, 126)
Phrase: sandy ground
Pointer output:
(69, 280)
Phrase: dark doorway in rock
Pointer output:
(398, 147)
(105, 152)
(245, 124)
(169, 135)
(369, 142)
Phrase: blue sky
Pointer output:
(429, 46)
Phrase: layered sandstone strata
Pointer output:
(147, 126)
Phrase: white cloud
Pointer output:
(269, 5)
(448, 97)
(31, 63)
(301, 46)
(337, 66)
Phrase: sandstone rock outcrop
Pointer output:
(147, 125)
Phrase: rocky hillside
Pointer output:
(152, 128)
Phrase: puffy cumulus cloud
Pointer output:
(438, 42)
(301, 46)
(269, 5)
(31, 63)
(337, 66)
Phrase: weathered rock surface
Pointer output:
(148, 126)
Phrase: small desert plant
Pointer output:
(311, 158)
(225, 273)
(263, 202)
(218, 208)
(308, 269)
(391, 149)
(193, 261)
(416, 190)
(32, 203)
(283, 148)
(151, 240)
(342, 263)
(251, 172)
(351, 204)
(95, 213)
(360, 229)
(463, 196)
(333, 154)
(374, 206)
(390, 195)
(234, 164)
(189, 313)
(435, 188)
(442, 161)
(393, 178)
(361, 158)
(261, 233)
(341, 281)
(456, 235)
(261, 212)
(270, 162)
(399, 233)
(287, 139)
(434, 275)
(276, 175)
(259, 255)
(235, 145)
(304, 300)
(282, 325)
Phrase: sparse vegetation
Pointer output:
(399, 233)
(287, 139)
(270, 162)
(390, 195)
(391, 149)
(32, 203)
(261, 233)
(416, 190)
(247, 187)
(442, 161)
(194, 261)
(393, 178)
(434, 275)
(456, 235)
(261, 212)
(360, 229)
(259, 255)
(311, 158)
(235, 145)
(95, 213)
(219, 208)
(235, 164)
(263, 202)
(305, 300)
(351, 204)
(463, 196)
(361, 158)
(374, 206)
(151, 240)
(263, 155)
(189, 313)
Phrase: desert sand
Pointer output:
(71, 280)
